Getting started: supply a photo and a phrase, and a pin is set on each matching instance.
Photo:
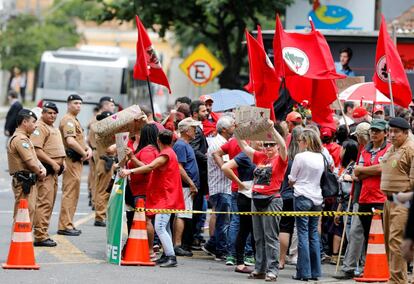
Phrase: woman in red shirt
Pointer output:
(144, 154)
(163, 193)
(268, 178)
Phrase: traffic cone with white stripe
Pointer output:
(21, 253)
(376, 263)
(137, 251)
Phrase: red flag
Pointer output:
(148, 66)
(306, 62)
(387, 60)
(249, 86)
(262, 75)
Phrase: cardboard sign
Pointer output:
(253, 124)
(121, 144)
(343, 84)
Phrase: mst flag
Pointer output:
(249, 86)
(148, 66)
(388, 61)
(263, 79)
(306, 62)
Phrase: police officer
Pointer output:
(51, 153)
(104, 171)
(76, 152)
(24, 166)
(397, 176)
(106, 104)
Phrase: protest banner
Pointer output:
(253, 124)
(121, 143)
(114, 226)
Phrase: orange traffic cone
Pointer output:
(137, 251)
(376, 264)
(21, 253)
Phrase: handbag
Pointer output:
(261, 201)
(329, 182)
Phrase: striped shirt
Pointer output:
(217, 181)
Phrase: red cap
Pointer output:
(294, 117)
(359, 112)
(378, 108)
(326, 132)
(205, 98)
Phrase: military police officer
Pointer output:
(23, 163)
(76, 152)
(106, 104)
(48, 144)
(104, 172)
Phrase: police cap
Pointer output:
(399, 122)
(74, 97)
(106, 99)
(103, 115)
(23, 113)
(51, 106)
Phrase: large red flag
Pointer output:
(148, 66)
(387, 60)
(249, 86)
(264, 81)
(306, 62)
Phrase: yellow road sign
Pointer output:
(201, 66)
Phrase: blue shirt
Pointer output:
(186, 157)
(347, 72)
(245, 167)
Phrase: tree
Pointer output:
(25, 37)
(218, 23)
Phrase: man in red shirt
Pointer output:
(369, 172)
(293, 119)
(209, 124)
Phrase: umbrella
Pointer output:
(226, 99)
(365, 92)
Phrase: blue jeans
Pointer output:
(218, 242)
(309, 258)
(163, 230)
(234, 229)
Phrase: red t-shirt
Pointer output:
(139, 182)
(164, 190)
(335, 150)
(232, 149)
(269, 173)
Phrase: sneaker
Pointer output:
(325, 258)
(196, 245)
(156, 248)
(171, 262)
(45, 243)
(179, 251)
(230, 260)
(208, 250)
(219, 257)
(249, 260)
(344, 275)
(334, 259)
(162, 259)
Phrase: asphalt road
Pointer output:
(82, 259)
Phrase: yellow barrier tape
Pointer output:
(274, 213)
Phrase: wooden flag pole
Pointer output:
(343, 235)
(150, 95)
(392, 109)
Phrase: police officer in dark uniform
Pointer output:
(24, 166)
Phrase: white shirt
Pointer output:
(307, 169)
(349, 120)
(217, 181)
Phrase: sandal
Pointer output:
(281, 266)
(257, 275)
(245, 269)
(270, 277)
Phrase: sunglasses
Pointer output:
(268, 145)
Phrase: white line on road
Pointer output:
(53, 213)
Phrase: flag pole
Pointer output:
(392, 109)
(150, 95)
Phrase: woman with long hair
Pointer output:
(287, 223)
(305, 177)
(146, 151)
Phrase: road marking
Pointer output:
(66, 252)
(84, 219)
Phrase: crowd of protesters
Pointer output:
(193, 160)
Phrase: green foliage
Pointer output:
(220, 24)
(25, 37)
